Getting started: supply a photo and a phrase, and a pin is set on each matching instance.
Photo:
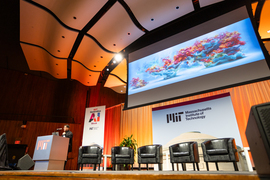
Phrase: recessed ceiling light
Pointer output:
(56, 64)
(114, 61)
(121, 91)
(89, 74)
(95, 66)
(58, 50)
(128, 33)
(101, 56)
(107, 69)
(57, 74)
(74, 17)
(268, 31)
(177, 7)
(63, 36)
(152, 19)
(114, 44)
(118, 57)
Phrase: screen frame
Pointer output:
(205, 14)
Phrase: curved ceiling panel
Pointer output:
(119, 89)
(74, 13)
(208, 2)
(264, 28)
(81, 74)
(40, 60)
(152, 14)
(121, 70)
(91, 55)
(115, 30)
(40, 28)
(113, 81)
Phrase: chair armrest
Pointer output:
(80, 155)
(205, 155)
(160, 153)
(233, 150)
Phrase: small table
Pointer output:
(105, 160)
(246, 150)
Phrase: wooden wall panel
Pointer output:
(105, 96)
(34, 129)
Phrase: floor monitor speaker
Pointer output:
(258, 136)
(25, 162)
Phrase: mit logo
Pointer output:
(174, 117)
(42, 144)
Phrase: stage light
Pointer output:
(118, 57)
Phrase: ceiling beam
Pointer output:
(84, 31)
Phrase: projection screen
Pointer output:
(221, 52)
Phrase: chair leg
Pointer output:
(235, 166)
(139, 166)
(147, 167)
(172, 167)
(132, 167)
(98, 167)
(194, 166)
(207, 167)
(78, 167)
(113, 167)
(197, 166)
(217, 166)
(160, 167)
(183, 167)
(95, 166)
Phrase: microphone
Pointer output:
(58, 129)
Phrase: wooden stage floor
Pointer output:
(106, 175)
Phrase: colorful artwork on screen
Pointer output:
(225, 48)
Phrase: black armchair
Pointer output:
(122, 155)
(89, 155)
(186, 152)
(220, 150)
(4, 153)
(150, 154)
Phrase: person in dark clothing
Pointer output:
(68, 134)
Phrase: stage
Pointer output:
(80, 175)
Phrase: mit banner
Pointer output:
(94, 123)
(213, 116)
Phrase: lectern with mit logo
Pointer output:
(50, 152)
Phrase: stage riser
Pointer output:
(75, 175)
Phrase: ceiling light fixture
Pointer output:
(118, 57)
(268, 31)
(107, 69)
(114, 61)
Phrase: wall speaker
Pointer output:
(25, 162)
(258, 136)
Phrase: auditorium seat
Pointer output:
(220, 150)
(150, 154)
(122, 155)
(89, 155)
(185, 152)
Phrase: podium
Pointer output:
(50, 152)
